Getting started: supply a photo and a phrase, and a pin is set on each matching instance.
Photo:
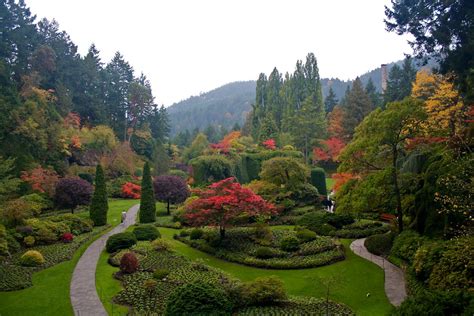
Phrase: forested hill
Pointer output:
(223, 106)
(229, 104)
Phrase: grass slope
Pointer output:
(49, 294)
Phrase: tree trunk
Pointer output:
(397, 188)
(222, 232)
(168, 207)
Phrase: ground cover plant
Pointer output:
(278, 248)
(168, 283)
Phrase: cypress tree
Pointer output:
(99, 205)
(147, 201)
(318, 179)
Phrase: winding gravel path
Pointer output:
(84, 298)
(395, 285)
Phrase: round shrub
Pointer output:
(184, 233)
(306, 235)
(198, 298)
(264, 253)
(160, 274)
(426, 257)
(379, 244)
(120, 241)
(29, 241)
(67, 237)
(263, 291)
(146, 232)
(324, 229)
(161, 244)
(129, 263)
(339, 220)
(406, 244)
(196, 234)
(32, 258)
(290, 243)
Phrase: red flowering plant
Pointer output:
(223, 203)
(269, 144)
(67, 237)
(131, 190)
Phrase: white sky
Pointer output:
(188, 46)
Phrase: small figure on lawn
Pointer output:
(124, 216)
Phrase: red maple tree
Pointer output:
(131, 190)
(41, 180)
(269, 144)
(223, 202)
(225, 144)
(330, 150)
(341, 179)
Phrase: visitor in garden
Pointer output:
(124, 216)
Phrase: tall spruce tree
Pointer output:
(331, 101)
(373, 94)
(147, 202)
(357, 106)
(99, 205)
(399, 81)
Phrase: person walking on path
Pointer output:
(124, 217)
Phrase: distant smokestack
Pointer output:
(384, 77)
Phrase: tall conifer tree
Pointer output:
(99, 205)
(147, 202)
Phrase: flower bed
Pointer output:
(241, 245)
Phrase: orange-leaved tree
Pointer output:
(223, 202)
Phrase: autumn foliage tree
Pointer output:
(330, 150)
(171, 190)
(131, 190)
(41, 180)
(223, 203)
(71, 192)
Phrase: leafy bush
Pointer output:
(146, 232)
(208, 169)
(290, 243)
(198, 298)
(196, 233)
(406, 244)
(179, 173)
(324, 229)
(71, 192)
(120, 241)
(129, 263)
(46, 231)
(305, 235)
(161, 244)
(263, 291)
(74, 222)
(32, 258)
(3, 241)
(455, 269)
(318, 179)
(379, 244)
(160, 274)
(426, 257)
(264, 253)
(29, 241)
(428, 303)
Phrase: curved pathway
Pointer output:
(395, 288)
(84, 298)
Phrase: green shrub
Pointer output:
(196, 233)
(428, 303)
(198, 298)
(264, 253)
(32, 258)
(160, 274)
(318, 179)
(180, 173)
(290, 243)
(161, 244)
(263, 291)
(324, 229)
(455, 269)
(146, 232)
(74, 222)
(29, 241)
(406, 244)
(339, 220)
(208, 169)
(379, 244)
(426, 257)
(120, 241)
(184, 233)
(313, 220)
(3, 241)
(305, 235)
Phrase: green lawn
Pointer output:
(49, 294)
(329, 184)
(356, 277)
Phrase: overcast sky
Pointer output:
(189, 47)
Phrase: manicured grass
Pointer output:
(49, 294)
(355, 277)
(329, 184)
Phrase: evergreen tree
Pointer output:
(331, 101)
(372, 93)
(399, 81)
(99, 205)
(268, 129)
(357, 106)
(147, 201)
